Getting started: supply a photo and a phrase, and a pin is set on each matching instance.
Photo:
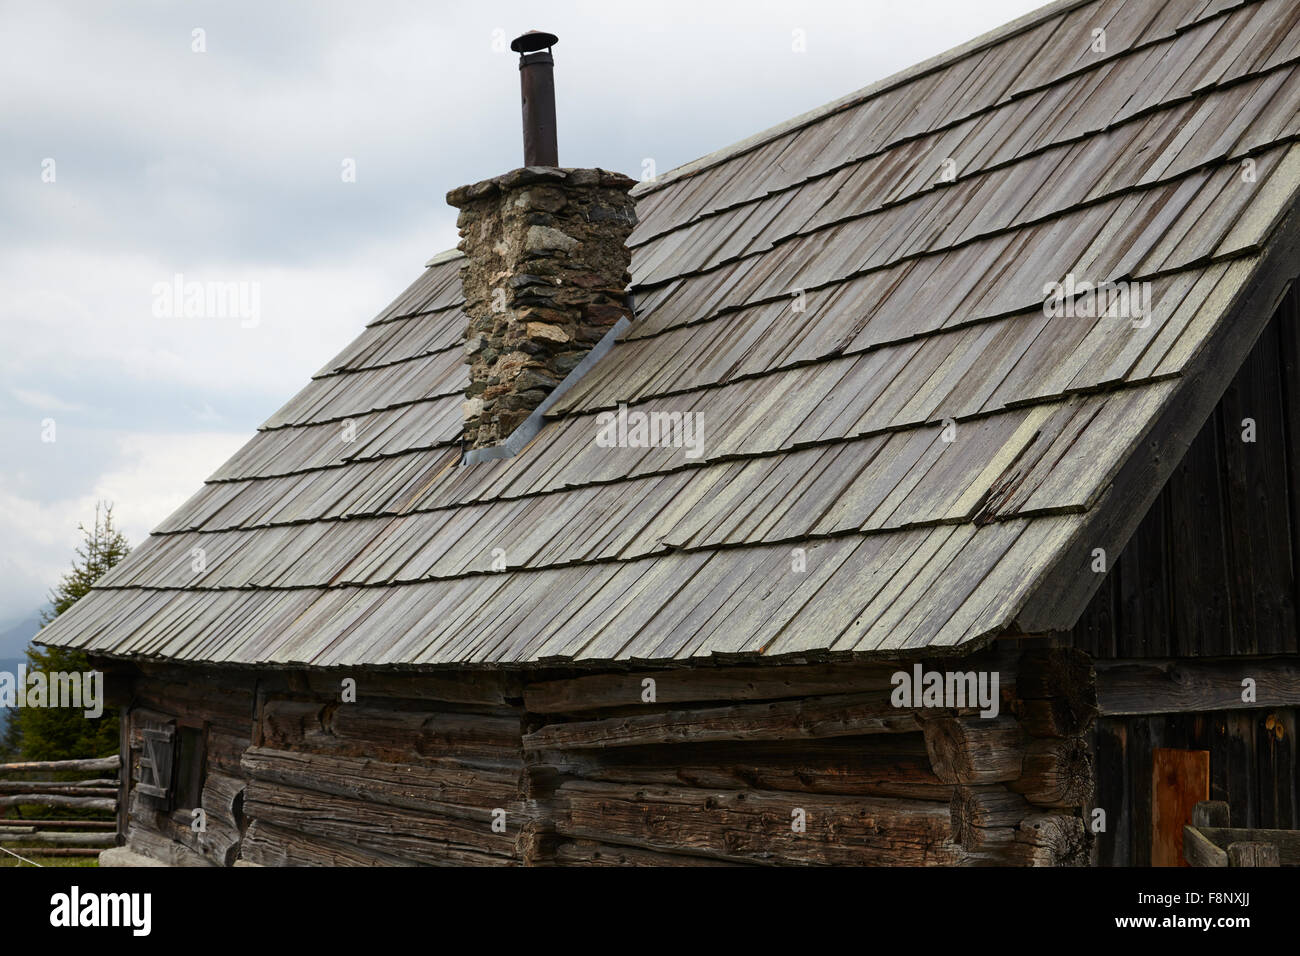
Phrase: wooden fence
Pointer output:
(1211, 840)
(53, 838)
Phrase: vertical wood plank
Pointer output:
(1274, 770)
(1114, 844)
(1202, 612)
(1240, 791)
(1258, 530)
(1180, 779)
(1139, 750)
(1288, 324)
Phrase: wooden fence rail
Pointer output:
(60, 838)
(1210, 840)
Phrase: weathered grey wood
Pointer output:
(451, 787)
(702, 684)
(836, 716)
(974, 750)
(58, 839)
(45, 824)
(1211, 813)
(1195, 686)
(98, 763)
(1286, 841)
(494, 689)
(755, 826)
(418, 837)
(392, 734)
(591, 853)
(1198, 850)
(1253, 854)
(268, 845)
(89, 788)
(107, 804)
(148, 843)
(883, 765)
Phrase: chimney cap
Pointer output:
(532, 41)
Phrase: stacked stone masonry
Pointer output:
(545, 279)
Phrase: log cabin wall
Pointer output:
(717, 769)
(1204, 594)
(789, 764)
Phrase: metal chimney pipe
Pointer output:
(537, 90)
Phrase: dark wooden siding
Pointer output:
(1252, 766)
(1211, 569)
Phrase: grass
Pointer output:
(35, 857)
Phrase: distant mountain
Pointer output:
(15, 637)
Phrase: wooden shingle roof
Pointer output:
(829, 302)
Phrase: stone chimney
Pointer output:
(546, 266)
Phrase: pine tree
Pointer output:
(49, 733)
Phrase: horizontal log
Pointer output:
(983, 816)
(450, 787)
(702, 684)
(57, 839)
(836, 716)
(756, 826)
(1056, 773)
(92, 765)
(233, 713)
(140, 839)
(268, 845)
(1053, 717)
(414, 836)
(396, 734)
(974, 750)
(55, 800)
(486, 688)
(8, 786)
(883, 765)
(591, 853)
(40, 823)
(1127, 687)
(225, 749)
(67, 789)
(66, 851)
(1061, 835)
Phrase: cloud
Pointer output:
(148, 477)
(44, 402)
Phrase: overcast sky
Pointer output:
(128, 156)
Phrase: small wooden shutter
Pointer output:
(156, 764)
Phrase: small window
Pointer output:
(189, 768)
(156, 761)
